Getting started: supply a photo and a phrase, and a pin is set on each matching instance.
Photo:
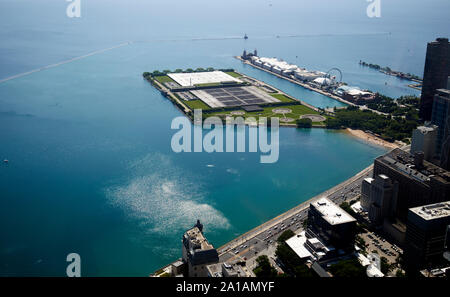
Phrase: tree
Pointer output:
(264, 269)
(292, 264)
(286, 235)
(304, 123)
(346, 206)
(385, 266)
(348, 268)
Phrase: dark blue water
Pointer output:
(91, 169)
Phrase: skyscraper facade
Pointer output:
(441, 118)
(435, 75)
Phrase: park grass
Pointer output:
(233, 74)
(163, 79)
(196, 104)
(282, 97)
(297, 111)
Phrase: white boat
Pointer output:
(5, 161)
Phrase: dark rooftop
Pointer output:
(250, 108)
(407, 164)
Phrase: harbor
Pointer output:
(327, 84)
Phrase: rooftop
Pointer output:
(283, 65)
(403, 162)
(433, 211)
(443, 92)
(196, 78)
(297, 244)
(427, 129)
(332, 213)
(226, 270)
(369, 179)
(196, 238)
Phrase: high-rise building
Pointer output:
(419, 182)
(435, 75)
(331, 224)
(441, 118)
(383, 199)
(365, 193)
(198, 253)
(425, 235)
(424, 140)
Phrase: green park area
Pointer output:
(288, 114)
(282, 97)
(233, 74)
(163, 79)
(196, 104)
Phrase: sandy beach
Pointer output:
(372, 139)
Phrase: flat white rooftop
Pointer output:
(297, 244)
(195, 78)
(433, 211)
(331, 212)
(278, 63)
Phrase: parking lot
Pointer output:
(384, 248)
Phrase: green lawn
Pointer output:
(233, 74)
(164, 79)
(296, 112)
(282, 97)
(196, 104)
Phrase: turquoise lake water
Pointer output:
(91, 169)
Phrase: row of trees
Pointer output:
(189, 70)
(389, 70)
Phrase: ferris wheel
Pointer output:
(335, 75)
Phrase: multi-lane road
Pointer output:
(262, 238)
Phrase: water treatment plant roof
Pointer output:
(197, 78)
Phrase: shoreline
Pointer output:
(369, 138)
(303, 205)
(242, 238)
